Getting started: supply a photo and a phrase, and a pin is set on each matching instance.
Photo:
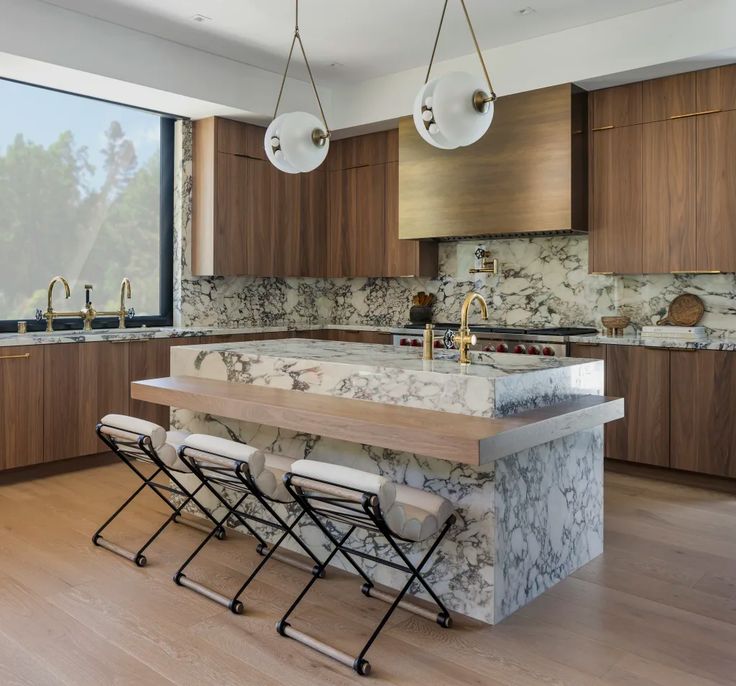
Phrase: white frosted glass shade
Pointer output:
(457, 121)
(298, 152)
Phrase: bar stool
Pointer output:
(249, 473)
(333, 493)
(137, 440)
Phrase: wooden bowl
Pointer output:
(615, 325)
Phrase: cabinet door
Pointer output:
(616, 200)
(669, 195)
(594, 351)
(82, 383)
(21, 406)
(618, 106)
(357, 230)
(642, 377)
(232, 201)
(717, 88)
(671, 96)
(258, 217)
(313, 220)
(703, 406)
(716, 191)
(152, 360)
(285, 229)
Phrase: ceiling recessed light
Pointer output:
(526, 11)
(201, 18)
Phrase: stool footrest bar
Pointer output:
(373, 592)
(199, 526)
(298, 564)
(319, 646)
(115, 548)
(204, 590)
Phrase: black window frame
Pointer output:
(166, 241)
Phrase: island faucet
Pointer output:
(49, 315)
(463, 339)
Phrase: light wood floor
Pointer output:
(659, 607)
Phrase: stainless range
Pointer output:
(550, 341)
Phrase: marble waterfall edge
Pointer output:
(524, 522)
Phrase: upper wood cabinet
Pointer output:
(669, 195)
(716, 89)
(339, 220)
(616, 200)
(618, 106)
(669, 97)
(21, 406)
(703, 404)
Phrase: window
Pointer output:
(86, 191)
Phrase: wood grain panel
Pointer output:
(258, 217)
(716, 88)
(517, 178)
(671, 96)
(233, 206)
(285, 228)
(313, 220)
(204, 156)
(21, 406)
(716, 191)
(232, 136)
(404, 257)
(618, 106)
(594, 351)
(642, 377)
(616, 226)
(669, 194)
(82, 383)
(703, 404)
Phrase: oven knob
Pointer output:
(404, 341)
(489, 349)
(438, 344)
(520, 349)
(502, 348)
(415, 343)
(548, 351)
(533, 350)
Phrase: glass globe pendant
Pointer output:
(297, 142)
(455, 109)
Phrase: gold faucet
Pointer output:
(463, 339)
(121, 313)
(50, 314)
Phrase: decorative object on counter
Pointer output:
(454, 110)
(428, 342)
(421, 309)
(684, 332)
(22, 327)
(615, 325)
(485, 264)
(685, 310)
(297, 142)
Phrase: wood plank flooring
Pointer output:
(657, 609)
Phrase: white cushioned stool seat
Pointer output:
(266, 469)
(164, 443)
(410, 513)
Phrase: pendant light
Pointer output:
(297, 142)
(455, 109)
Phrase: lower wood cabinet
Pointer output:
(703, 406)
(21, 406)
(82, 383)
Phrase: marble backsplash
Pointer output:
(541, 282)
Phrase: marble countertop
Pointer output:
(707, 343)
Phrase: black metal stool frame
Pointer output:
(372, 518)
(247, 485)
(164, 491)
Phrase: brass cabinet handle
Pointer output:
(603, 128)
(693, 114)
(587, 345)
(24, 356)
(678, 350)
(695, 271)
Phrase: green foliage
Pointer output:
(53, 222)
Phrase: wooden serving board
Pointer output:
(685, 310)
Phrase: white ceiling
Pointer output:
(348, 40)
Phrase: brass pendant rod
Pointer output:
(297, 38)
(436, 40)
(491, 94)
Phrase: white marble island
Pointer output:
(526, 518)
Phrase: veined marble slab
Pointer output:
(706, 343)
(525, 521)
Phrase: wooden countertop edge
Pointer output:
(443, 435)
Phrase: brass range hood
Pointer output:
(526, 176)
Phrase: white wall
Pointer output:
(52, 46)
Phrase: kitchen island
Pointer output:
(529, 500)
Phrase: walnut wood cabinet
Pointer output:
(339, 220)
(82, 383)
(21, 406)
(662, 181)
